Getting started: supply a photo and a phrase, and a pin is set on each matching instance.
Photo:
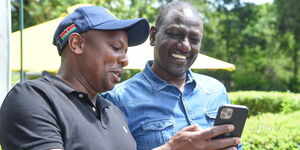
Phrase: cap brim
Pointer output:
(137, 29)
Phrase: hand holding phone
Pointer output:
(232, 114)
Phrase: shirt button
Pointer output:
(80, 95)
(94, 109)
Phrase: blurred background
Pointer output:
(261, 38)
(254, 43)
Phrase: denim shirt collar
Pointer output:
(157, 82)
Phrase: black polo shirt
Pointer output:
(46, 113)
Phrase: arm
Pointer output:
(193, 138)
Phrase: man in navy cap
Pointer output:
(64, 111)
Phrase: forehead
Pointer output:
(185, 16)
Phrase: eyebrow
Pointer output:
(172, 27)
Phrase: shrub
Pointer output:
(272, 132)
(261, 102)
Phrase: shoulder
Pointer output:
(208, 84)
(24, 111)
(24, 99)
(126, 85)
(132, 82)
(127, 89)
(28, 96)
(27, 88)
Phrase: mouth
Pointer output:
(117, 75)
(179, 56)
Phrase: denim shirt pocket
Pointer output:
(210, 117)
(155, 133)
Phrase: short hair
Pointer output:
(178, 5)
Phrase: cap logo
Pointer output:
(67, 31)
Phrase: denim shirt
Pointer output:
(156, 110)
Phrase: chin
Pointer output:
(110, 87)
(107, 88)
(177, 71)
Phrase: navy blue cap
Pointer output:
(99, 18)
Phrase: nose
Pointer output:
(123, 60)
(184, 45)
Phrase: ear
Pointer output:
(75, 43)
(152, 35)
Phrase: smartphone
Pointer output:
(232, 114)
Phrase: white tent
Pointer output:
(39, 53)
(139, 55)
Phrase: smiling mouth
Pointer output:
(118, 74)
(179, 56)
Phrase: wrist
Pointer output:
(166, 146)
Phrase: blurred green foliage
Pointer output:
(128, 73)
(261, 40)
(272, 132)
(260, 102)
(37, 11)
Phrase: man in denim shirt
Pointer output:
(167, 96)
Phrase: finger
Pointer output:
(216, 130)
(227, 143)
(194, 127)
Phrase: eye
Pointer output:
(116, 48)
(174, 34)
(195, 40)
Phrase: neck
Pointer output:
(77, 81)
(177, 80)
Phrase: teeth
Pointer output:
(178, 56)
(117, 74)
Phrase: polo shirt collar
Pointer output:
(61, 85)
(158, 83)
(102, 103)
(57, 82)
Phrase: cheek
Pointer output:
(195, 49)
(109, 60)
(167, 45)
(164, 40)
(104, 59)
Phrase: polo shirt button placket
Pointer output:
(80, 95)
(94, 109)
